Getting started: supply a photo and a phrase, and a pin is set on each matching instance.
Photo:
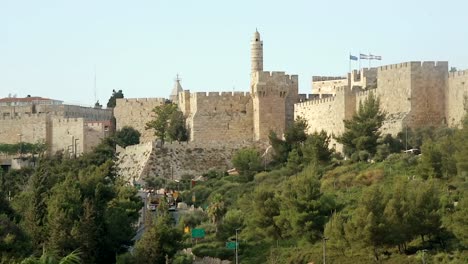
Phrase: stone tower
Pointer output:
(256, 53)
(273, 95)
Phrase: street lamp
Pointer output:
(237, 247)
(324, 249)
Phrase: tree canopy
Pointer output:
(362, 130)
(168, 123)
(113, 99)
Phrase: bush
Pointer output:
(214, 250)
(182, 258)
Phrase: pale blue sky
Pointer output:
(51, 48)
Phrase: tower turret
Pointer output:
(256, 53)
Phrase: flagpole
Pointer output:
(370, 58)
(350, 62)
(359, 61)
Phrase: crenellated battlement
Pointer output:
(415, 64)
(457, 74)
(220, 94)
(327, 78)
(316, 101)
(27, 117)
(265, 75)
(139, 100)
(307, 97)
(365, 93)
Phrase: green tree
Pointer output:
(263, 206)
(247, 161)
(366, 228)
(159, 240)
(294, 163)
(362, 131)
(423, 214)
(113, 99)
(294, 136)
(51, 258)
(177, 130)
(304, 209)
(14, 243)
(460, 221)
(315, 148)
(127, 136)
(335, 232)
(232, 220)
(396, 216)
(160, 123)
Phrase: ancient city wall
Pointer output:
(428, 87)
(394, 91)
(65, 111)
(67, 134)
(31, 129)
(328, 113)
(327, 85)
(94, 132)
(220, 117)
(88, 113)
(273, 108)
(456, 98)
(365, 78)
(136, 112)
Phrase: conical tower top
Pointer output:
(176, 90)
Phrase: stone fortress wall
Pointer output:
(225, 116)
(56, 125)
(95, 132)
(136, 112)
(413, 94)
(30, 129)
(456, 97)
(274, 95)
(67, 134)
(66, 111)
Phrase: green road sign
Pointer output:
(231, 245)
(198, 233)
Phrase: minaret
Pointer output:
(256, 53)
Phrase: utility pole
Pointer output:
(325, 250)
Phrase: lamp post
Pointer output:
(237, 247)
(324, 249)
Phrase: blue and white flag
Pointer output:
(374, 57)
(364, 57)
(354, 58)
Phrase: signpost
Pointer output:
(231, 245)
(198, 233)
